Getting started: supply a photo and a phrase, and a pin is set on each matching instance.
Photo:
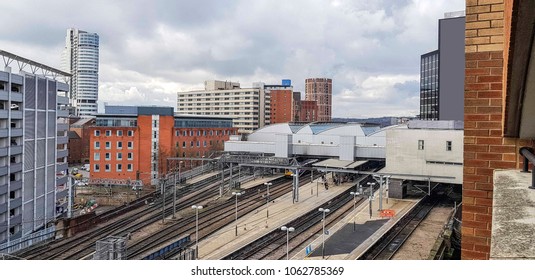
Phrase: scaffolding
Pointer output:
(111, 248)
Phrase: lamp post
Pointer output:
(267, 198)
(197, 208)
(174, 188)
(370, 197)
(288, 230)
(237, 194)
(354, 194)
(324, 211)
(202, 165)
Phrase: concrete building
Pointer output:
(499, 110)
(248, 107)
(134, 142)
(442, 72)
(320, 90)
(33, 152)
(426, 148)
(81, 59)
(341, 140)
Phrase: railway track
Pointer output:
(390, 243)
(82, 245)
(273, 244)
(212, 218)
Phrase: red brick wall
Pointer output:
(281, 106)
(485, 148)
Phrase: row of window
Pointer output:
(119, 156)
(129, 133)
(192, 143)
(118, 167)
(421, 145)
(203, 132)
(130, 145)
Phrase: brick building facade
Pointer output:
(487, 143)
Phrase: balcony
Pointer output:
(62, 180)
(513, 217)
(16, 185)
(63, 100)
(3, 114)
(16, 220)
(61, 166)
(62, 193)
(14, 203)
(3, 132)
(62, 140)
(3, 207)
(63, 126)
(3, 190)
(16, 97)
(3, 152)
(62, 113)
(16, 114)
(3, 170)
(4, 95)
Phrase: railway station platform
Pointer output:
(354, 234)
(256, 224)
(202, 177)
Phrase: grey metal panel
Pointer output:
(62, 153)
(63, 140)
(3, 207)
(14, 203)
(61, 194)
(52, 95)
(29, 152)
(27, 217)
(63, 87)
(3, 170)
(15, 185)
(51, 150)
(29, 92)
(28, 187)
(15, 150)
(3, 132)
(451, 68)
(62, 113)
(41, 94)
(40, 182)
(51, 179)
(3, 114)
(51, 124)
(16, 220)
(16, 167)
(16, 115)
(63, 100)
(17, 97)
(3, 152)
(61, 180)
(4, 76)
(50, 207)
(41, 123)
(16, 79)
(29, 124)
(62, 166)
(4, 95)
(40, 153)
(3, 189)
(62, 126)
(16, 132)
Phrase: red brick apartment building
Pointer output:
(321, 91)
(281, 106)
(128, 140)
(499, 103)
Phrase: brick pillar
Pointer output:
(485, 149)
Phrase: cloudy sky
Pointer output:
(152, 49)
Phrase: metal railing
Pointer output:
(27, 241)
(528, 155)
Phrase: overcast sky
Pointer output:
(149, 50)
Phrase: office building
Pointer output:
(33, 152)
(248, 107)
(442, 72)
(320, 90)
(281, 102)
(81, 59)
(134, 142)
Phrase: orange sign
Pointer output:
(387, 213)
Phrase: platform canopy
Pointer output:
(342, 164)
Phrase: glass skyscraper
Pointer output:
(80, 58)
(429, 86)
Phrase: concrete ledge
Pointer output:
(513, 216)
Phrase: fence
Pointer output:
(27, 241)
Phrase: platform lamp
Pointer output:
(236, 194)
(197, 208)
(324, 211)
(288, 230)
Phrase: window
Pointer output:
(108, 145)
(154, 123)
(97, 168)
(119, 156)
(198, 133)
(130, 133)
(119, 145)
(191, 133)
(97, 132)
(420, 144)
(184, 133)
(204, 143)
(108, 132)
(119, 167)
(107, 156)
(130, 145)
(12, 195)
(191, 144)
(107, 168)
(129, 167)
(155, 134)
(97, 145)
(448, 145)
(130, 156)
(119, 133)
(177, 133)
(198, 143)
(96, 156)
(184, 144)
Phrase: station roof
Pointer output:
(336, 163)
